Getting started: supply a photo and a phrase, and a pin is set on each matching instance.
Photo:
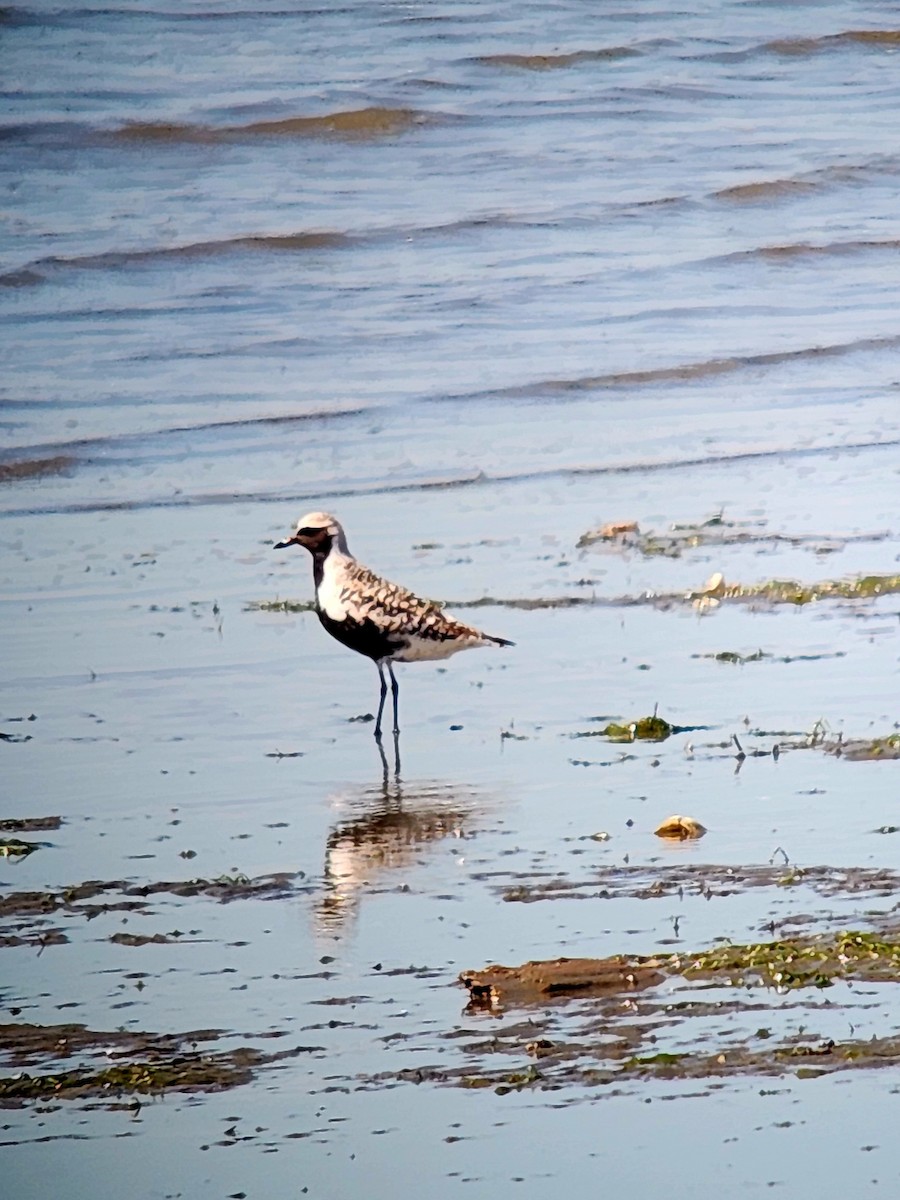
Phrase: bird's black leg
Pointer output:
(381, 700)
(395, 689)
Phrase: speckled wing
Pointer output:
(396, 610)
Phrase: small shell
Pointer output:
(680, 828)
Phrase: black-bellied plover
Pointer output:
(379, 619)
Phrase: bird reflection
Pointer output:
(385, 833)
(384, 760)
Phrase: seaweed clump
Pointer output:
(861, 750)
(186, 1073)
(16, 847)
(801, 963)
(790, 591)
(157, 1063)
(714, 531)
(644, 729)
(793, 963)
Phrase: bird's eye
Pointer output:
(307, 532)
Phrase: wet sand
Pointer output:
(230, 850)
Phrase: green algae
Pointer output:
(156, 1063)
(587, 1062)
(280, 606)
(867, 750)
(740, 1060)
(715, 591)
(800, 962)
(791, 591)
(518, 1080)
(186, 1073)
(523, 603)
(663, 1059)
(612, 1034)
(783, 964)
(17, 848)
(143, 939)
(731, 656)
(644, 729)
(715, 531)
(884, 747)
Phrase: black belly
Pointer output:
(364, 637)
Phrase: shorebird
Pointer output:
(376, 618)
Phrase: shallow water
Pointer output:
(479, 278)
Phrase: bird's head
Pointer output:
(318, 532)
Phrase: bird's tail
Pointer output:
(497, 641)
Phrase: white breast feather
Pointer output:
(328, 595)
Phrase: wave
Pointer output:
(687, 372)
(766, 189)
(67, 15)
(823, 177)
(36, 272)
(887, 39)
(354, 124)
(34, 468)
(791, 250)
(14, 464)
(24, 277)
(57, 456)
(879, 38)
(451, 481)
(551, 62)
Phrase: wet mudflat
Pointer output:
(240, 930)
(584, 323)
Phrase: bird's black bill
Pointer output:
(284, 545)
